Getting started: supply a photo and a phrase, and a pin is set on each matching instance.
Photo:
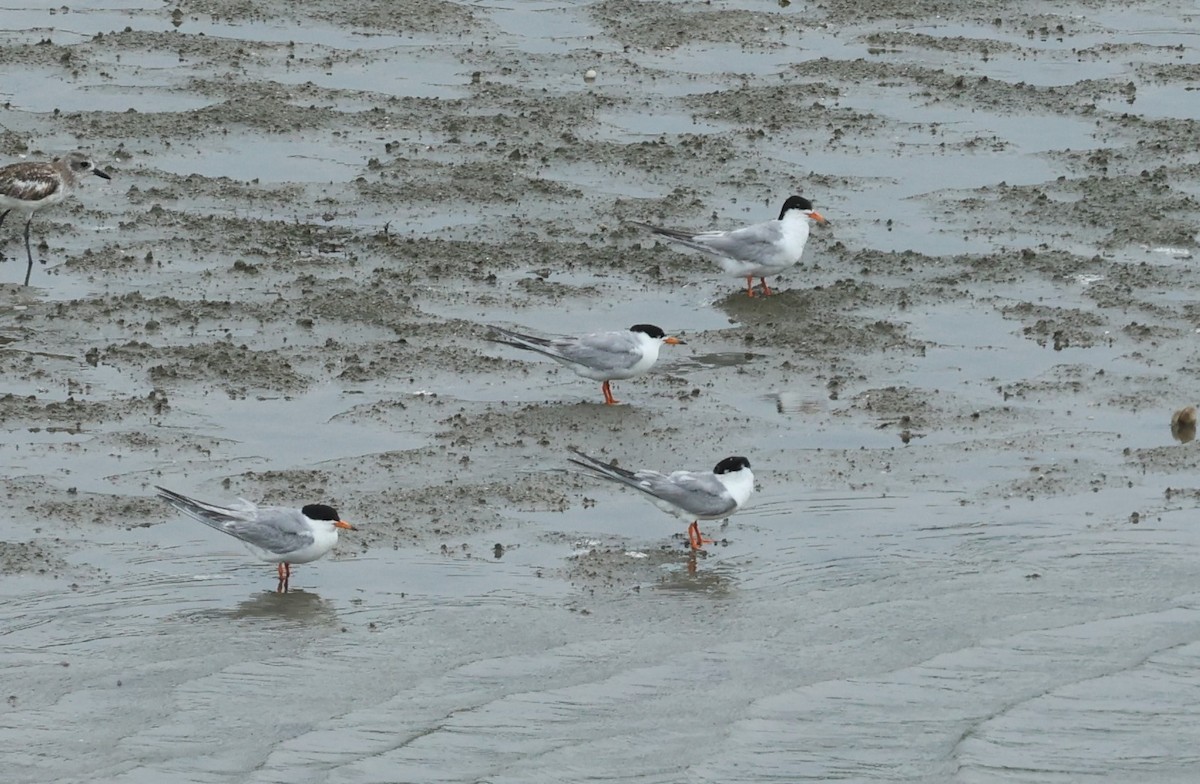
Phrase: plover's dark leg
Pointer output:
(4, 215)
(28, 252)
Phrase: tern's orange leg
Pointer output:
(749, 285)
(766, 288)
(696, 539)
(608, 395)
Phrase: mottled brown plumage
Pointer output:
(29, 186)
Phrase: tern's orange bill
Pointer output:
(344, 524)
(818, 217)
(674, 341)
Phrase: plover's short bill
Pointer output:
(756, 251)
(275, 534)
(30, 186)
(600, 356)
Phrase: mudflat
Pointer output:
(972, 556)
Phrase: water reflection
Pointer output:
(796, 402)
(699, 575)
(297, 605)
(669, 567)
(295, 608)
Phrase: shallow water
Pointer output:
(970, 605)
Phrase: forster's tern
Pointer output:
(699, 495)
(600, 356)
(29, 186)
(754, 251)
(276, 534)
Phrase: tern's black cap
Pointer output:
(795, 203)
(321, 512)
(731, 464)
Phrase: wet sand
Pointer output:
(972, 557)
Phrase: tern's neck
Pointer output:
(740, 484)
(795, 221)
(649, 345)
(324, 533)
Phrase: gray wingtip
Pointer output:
(165, 493)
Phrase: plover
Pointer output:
(29, 186)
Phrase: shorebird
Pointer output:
(30, 186)
(600, 356)
(699, 495)
(275, 534)
(756, 251)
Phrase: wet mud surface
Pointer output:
(972, 556)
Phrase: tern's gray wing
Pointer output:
(601, 350)
(544, 346)
(684, 237)
(277, 530)
(758, 244)
(519, 339)
(698, 493)
(274, 529)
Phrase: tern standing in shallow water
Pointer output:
(30, 186)
(276, 534)
(600, 356)
(699, 495)
(756, 251)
